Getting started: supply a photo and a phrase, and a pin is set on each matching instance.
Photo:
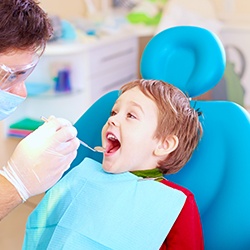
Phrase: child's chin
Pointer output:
(111, 169)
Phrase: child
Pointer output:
(152, 130)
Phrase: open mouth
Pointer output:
(113, 144)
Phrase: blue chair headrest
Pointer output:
(194, 64)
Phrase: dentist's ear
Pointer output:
(167, 146)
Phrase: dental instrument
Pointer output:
(95, 149)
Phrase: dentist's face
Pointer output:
(129, 133)
(16, 59)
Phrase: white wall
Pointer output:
(71, 8)
(229, 10)
(233, 11)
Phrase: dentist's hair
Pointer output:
(23, 26)
(175, 117)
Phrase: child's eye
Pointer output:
(129, 115)
(112, 113)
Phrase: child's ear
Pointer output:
(167, 146)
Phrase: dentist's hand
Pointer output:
(41, 158)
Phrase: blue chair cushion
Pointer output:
(191, 58)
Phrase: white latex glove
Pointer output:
(41, 158)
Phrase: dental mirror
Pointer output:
(99, 149)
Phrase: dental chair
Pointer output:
(218, 173)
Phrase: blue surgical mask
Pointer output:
(8, 103)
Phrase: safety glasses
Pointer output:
(10, 76)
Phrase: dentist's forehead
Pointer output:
(18, 57)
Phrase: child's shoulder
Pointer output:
(178, 187)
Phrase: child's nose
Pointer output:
(113, 120)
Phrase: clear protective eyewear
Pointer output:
(11, 76)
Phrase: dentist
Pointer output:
(41, 158)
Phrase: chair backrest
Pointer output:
(218, 173)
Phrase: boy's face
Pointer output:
(129, 134)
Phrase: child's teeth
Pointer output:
(112, 137)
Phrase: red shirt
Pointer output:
(186, 232)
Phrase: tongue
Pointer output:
(114, 147)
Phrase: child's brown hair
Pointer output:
(176, 117)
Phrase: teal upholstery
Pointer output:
(191, 58)
(218, 173)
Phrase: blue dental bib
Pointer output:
(92, 209)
